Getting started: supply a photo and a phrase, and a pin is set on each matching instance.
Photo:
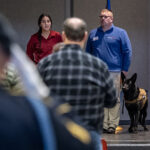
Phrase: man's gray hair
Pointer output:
(74, 28)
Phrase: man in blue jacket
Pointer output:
(112, 45)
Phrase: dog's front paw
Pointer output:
(130, 130)
(133, 130)
(146, 129)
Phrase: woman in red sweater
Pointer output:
(42, 42)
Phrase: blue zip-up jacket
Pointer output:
(112, 46)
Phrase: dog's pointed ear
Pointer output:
(134, 77)
(122, 76)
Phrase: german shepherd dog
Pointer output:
(136, 102)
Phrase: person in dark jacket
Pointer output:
(22, 126)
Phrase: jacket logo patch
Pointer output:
(111, 37)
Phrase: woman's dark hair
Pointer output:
(39, 22)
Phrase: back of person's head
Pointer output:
(7, 35)
(7, 38)
(74, 29)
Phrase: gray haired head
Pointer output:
(74, 28)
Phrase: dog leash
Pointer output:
(123, 106)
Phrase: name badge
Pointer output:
(95, 38)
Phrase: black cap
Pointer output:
(7, 34)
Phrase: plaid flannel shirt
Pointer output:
(82, 80)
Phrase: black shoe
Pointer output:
(105, 130)
(111, 130)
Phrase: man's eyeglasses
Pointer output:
(105, 17)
